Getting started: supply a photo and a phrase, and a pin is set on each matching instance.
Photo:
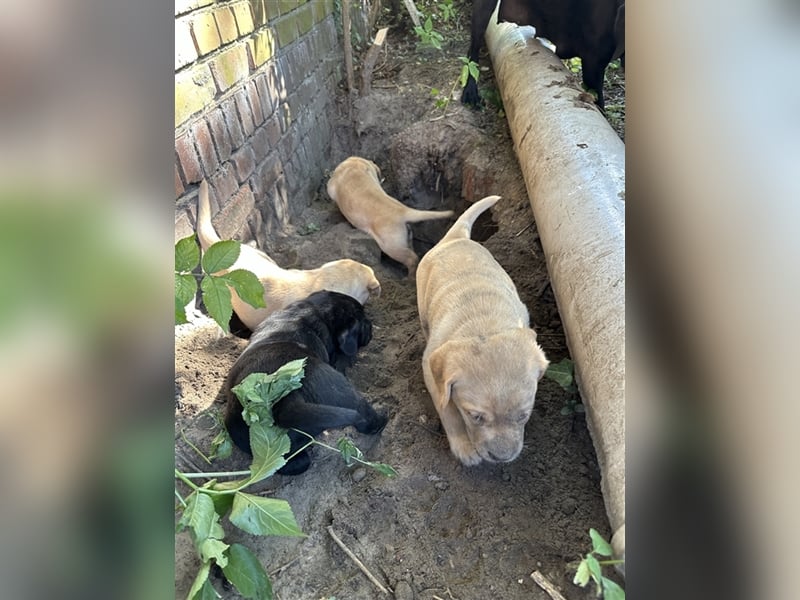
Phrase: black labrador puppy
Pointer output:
(327, 329)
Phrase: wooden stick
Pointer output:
(412, 10)
(370, 60)
(354, 558)
(348, 46)
(548, 587)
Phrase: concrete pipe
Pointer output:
(574, 169)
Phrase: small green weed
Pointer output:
(428, 36)
(591, 569)
(562, 373)
(447, 10)
(468, 67)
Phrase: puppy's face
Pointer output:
(492, 381)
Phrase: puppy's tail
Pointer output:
(205, 229)
(462, 228)
(415, 216)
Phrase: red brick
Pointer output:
(205, 32)
(245, 163)
(219, 131)
(205, 146)
(226, 24)
(224, 183)
(188, 159)
(232, 218)
(178, 183)
(255, 103)
(264, 95)
(245, 116)
(260, 144)
(273, 129)
(232, 121)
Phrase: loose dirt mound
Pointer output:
(438, 530)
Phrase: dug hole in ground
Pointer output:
(437, 530)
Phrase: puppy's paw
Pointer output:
(464, 451)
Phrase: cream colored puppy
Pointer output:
(284, 286)
(355, 186)
(481, 363)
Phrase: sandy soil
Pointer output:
(438, 530)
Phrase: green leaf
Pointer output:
(200, 580)
(221, 256)
(207, 592)
(599, 545)
(428, 25)
(217, 298)
(221, 445)
(245, 572)
(269, 444)
(263, 516)
(561, 372)
(211, 548)
(247, 286)
(383, 469)
(201, 519)
(187, 254)
(566, 410)
(612, 591)
(222, 502)
(595, 570)
(473, 70)
(582, 575)
(258, 392)
(185, 289)
(348, 450)
(464, 75)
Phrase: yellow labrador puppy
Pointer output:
(284, 286)
(481, 363)
(355, 186)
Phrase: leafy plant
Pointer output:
(428, 36)
(447, 10)
(562, 373)
(468, 67)
(215, 288)
(201, 512)
(591, 569)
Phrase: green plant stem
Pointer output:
(610, 562)
(195, 448)
(218, 474)
(180, 499)
(314, 441)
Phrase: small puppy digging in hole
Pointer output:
(327, 328)
(355, 187)
(481, 363)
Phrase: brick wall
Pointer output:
(254, 86)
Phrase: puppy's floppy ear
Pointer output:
(348, 341)
(444, 374)
(539, 362)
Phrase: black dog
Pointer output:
(594, 30)
(327, 328)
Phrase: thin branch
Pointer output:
(548, 587)
(354, 558)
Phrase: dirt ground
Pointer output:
(438, 530)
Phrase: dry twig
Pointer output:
(548, 587)
(354, 558)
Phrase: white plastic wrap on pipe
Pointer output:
(574, 169)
